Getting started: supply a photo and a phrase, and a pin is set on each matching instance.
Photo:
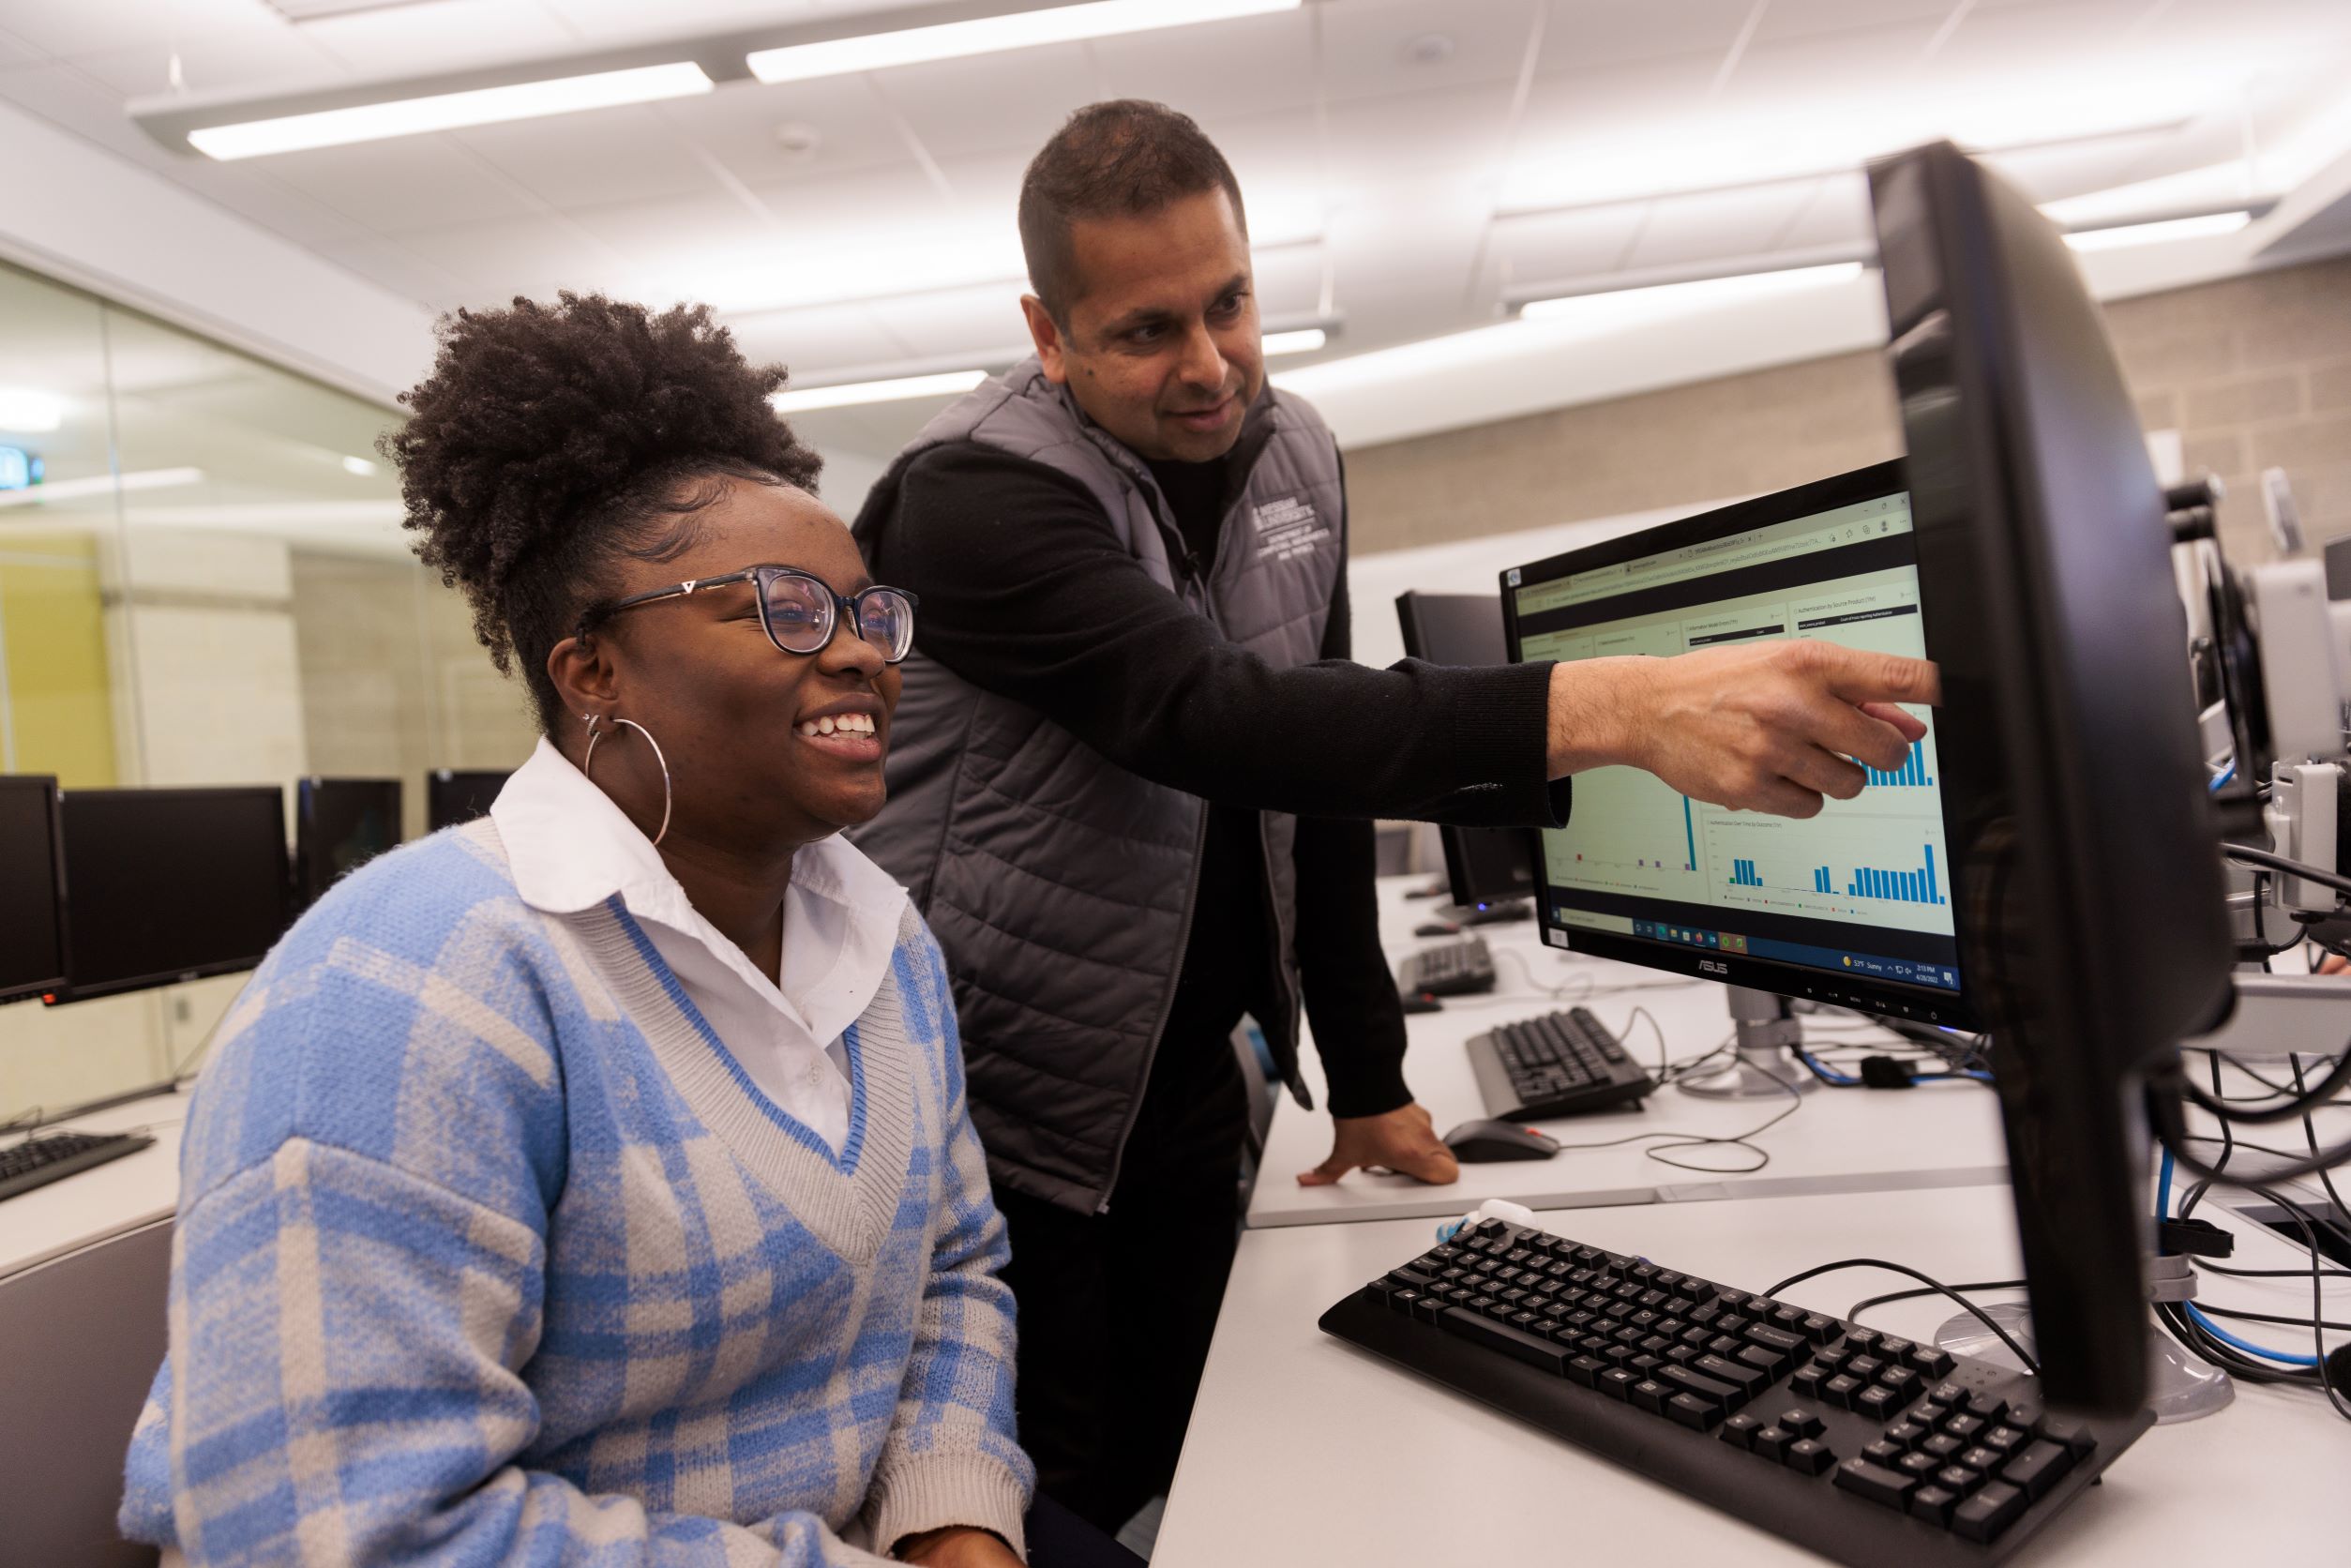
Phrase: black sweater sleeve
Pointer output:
(1027, 593)
(1350, 995)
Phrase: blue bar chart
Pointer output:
(1912, 771)
(1742, 874)
(1917, 886)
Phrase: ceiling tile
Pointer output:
(1009, 103)
(1784, 20)
(955, 320)
(419, 39)
(616, 155)
(607, 22)
(1367, 46)
(808, 341)
(1459, 131)
(1246, 66)
(1836, 213)
(386, 264)
(413, 182)
(80, 26)
(1589, 34)
(738, 124)
(1685, 231)
(1553, 246)
(248, 59)
(532, 254)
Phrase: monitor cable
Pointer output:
(1934, 1287)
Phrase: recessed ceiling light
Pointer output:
(360, 466)
(1693, 292)
(898, 389)
(988, 35)
(1304, 341)
(30, 410)
(2125, 235)
(479, 106)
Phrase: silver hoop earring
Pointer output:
(587, 766)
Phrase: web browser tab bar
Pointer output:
(1834, 530)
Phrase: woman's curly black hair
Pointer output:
(551, 441)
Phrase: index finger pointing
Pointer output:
(1865, 677)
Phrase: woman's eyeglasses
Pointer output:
(799, 611)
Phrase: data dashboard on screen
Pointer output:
(1861, 891)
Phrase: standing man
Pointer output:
(1132, 776)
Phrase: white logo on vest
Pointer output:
(1287, 528)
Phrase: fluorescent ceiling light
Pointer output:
(360, 466)
(852, 394)
(1625, 306)
(2159, 233)
(481, 106)
(1305, 340)
(30, 410)
(103, 484)
(1099, 19)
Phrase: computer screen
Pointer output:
(164, 885)
(32, 927)
(459, 796)
(1853, 906)
(340, 825)
(1484, 865)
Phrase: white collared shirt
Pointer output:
(571, 848)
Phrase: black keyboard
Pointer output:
(1456, 969)
(42, 1159)
(1865, 1448)
(1559, 1064)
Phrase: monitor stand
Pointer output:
(2180, 1386)
(1764, 1064)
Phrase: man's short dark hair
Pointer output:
(1125, 158)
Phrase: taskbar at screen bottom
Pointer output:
(1912, 988)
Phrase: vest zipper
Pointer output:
(1160, 1026)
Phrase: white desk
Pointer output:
(1840, 1141)
(90, 1205)
(1304, 1450)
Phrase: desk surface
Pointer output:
(1839, 1140)
(1302, 1449)
(105, 1199)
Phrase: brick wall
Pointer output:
(2253, 373)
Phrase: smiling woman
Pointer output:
(601, 1169)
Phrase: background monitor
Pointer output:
(460, 795)
(32, 912)
(1855, 905)
(2089, 863)
(340, 825)
(1485, 865)
(165, 885)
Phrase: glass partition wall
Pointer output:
(203, 580)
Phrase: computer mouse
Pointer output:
(1421, 1002)
(1485, 1142)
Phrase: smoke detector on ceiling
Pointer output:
(1429, 49)
(798, 140)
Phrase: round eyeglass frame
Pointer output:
(840, 609)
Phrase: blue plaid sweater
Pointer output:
(488, 1252)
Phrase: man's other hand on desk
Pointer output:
(1766, 726)
(1404, 1140)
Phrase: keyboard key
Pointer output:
(1650, 1394)
(1681, 1380)
(1930, 1362)
(1749, 1381)
(1962, 1479)
(1940, 1446)
(1772, 1442)
(1894, 1349)
(1586, 1369)
(1741, 1429)
(1983, 1516)
(1778, 1340)
(1863, 1368)
(1980, 1457)
(2037, 1468)
(1947, 1394)
(1517, 1343)
(1902, 1382)
(1877, 1403)
(1809, 1455)
(1693, 1411)
(1807, 1382)
(1839, 1390)
(2007, 1439)
(1876, 1482)
(1920, 1464)
(1990, 1409)
(1863, 1339)
(2079, 1440)
(1616, 1382)
(1905, 1434)
(1822, 1331)
(1964, 1427)
(1934, 1504)
(1881, 1453)
(1802, 1423)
